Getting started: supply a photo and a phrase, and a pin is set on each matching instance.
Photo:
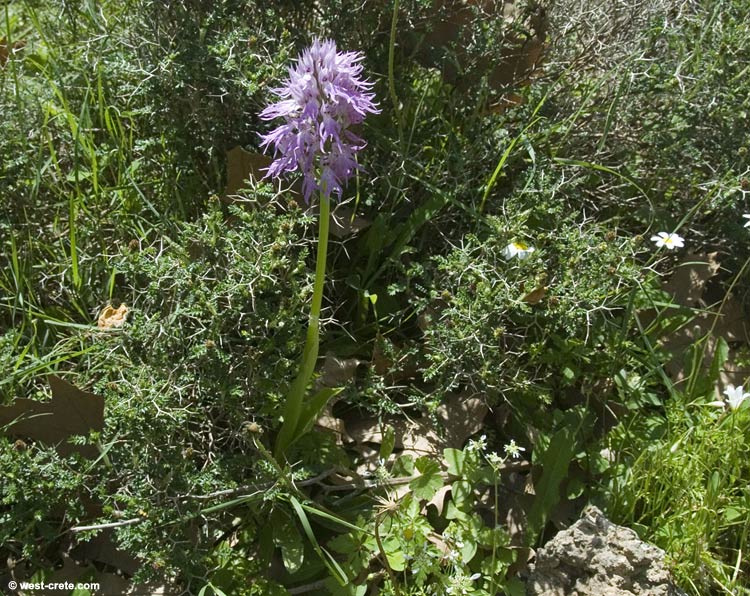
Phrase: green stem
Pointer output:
(391, 81)
(296, 394)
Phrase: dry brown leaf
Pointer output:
(505, 102)
(725, 320)
(414, 438)
(515, 518)
(109, 583)
(438, 541)
(243, 166)
(688, 281)
(71, 412)
(383, 365)
(337, 372)
(536, 295)
(461, 416)
(6, 52)
(336, 425)
(368, 460)
(111, 318)
(344, 222)
(102, 550)
(521, 54)
(438, 501)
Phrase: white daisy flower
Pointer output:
(670, 241)
(520, 250)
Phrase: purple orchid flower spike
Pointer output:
(322, 98)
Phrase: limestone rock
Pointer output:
(595, 557)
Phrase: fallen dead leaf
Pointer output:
(344, 222)
(101, 550)
(439, 42)
(70, 412)
(337, 372)
(461, 417)
(536, 295)
(336, 425)
(688, 281)
(726, 320)
(111, 318)
(439, 542)
(243, 166)
(109, 583)
(6, 52)
(438, 501)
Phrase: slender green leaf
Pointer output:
(311, 410)
(388, 442)
(554, 462)
(336, 571)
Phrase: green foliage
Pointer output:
(684, 490)
(200, 318)
(555, 461)
(451, 543)
(36, 481)
(116, 121)
(510, 328)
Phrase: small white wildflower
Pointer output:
(735, 396)
(513, 450)
(520, 250)
(461, 584)
(478, 445)
(747, 223)
(670, 241)
(453, 555)
(494, 459)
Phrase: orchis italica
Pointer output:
(322, 98)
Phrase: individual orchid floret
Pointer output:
(321, 100)
(670, 241)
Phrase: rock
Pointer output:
(595, 557)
